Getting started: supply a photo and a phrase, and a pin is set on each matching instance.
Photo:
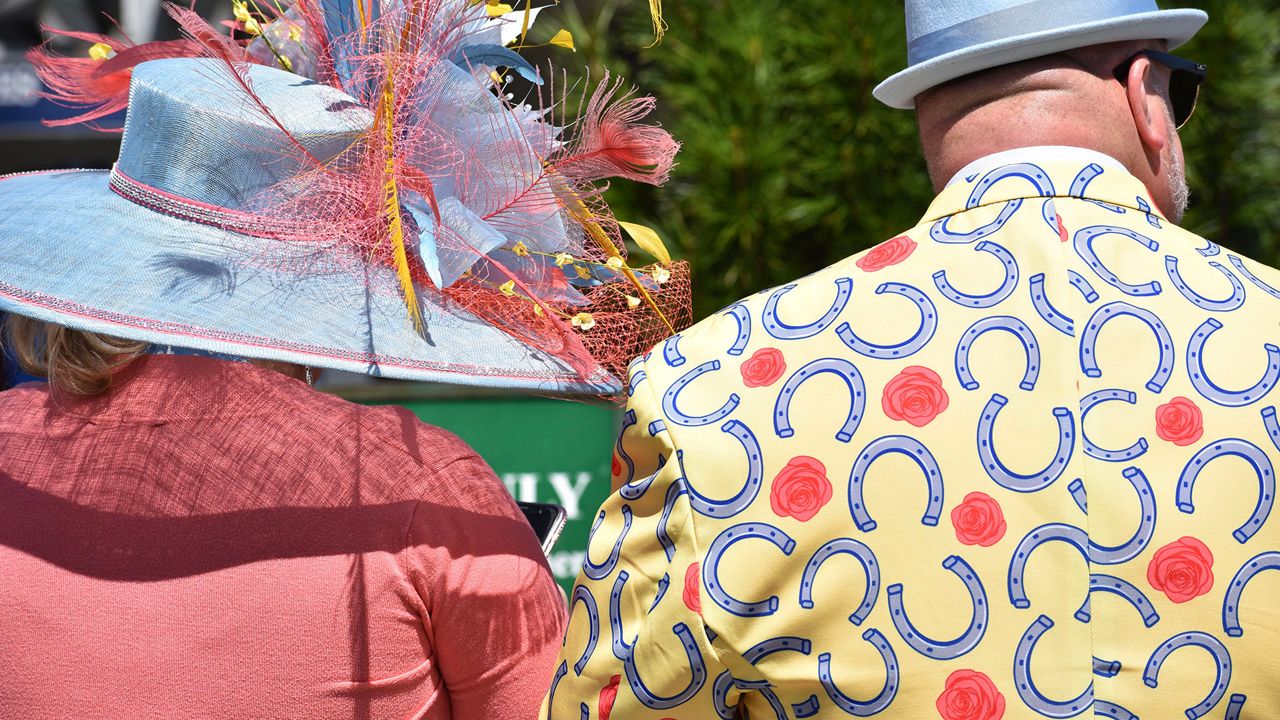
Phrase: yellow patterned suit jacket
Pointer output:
(1018, 462)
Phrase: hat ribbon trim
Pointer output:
(1027, 18)
(167, 203)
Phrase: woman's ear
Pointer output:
(1149, 107)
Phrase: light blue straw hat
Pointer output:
(166, 248)
(948, 39)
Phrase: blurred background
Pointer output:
(788, 165)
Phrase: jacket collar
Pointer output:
(1034, 177)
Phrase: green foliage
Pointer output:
(1233, 141)
(789, 164)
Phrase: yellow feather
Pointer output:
(659, 25)
(391, 196)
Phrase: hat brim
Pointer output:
(1174, 26)
(75, 253)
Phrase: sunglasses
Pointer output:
(1185, 78)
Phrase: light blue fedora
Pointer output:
(170, 248)
(948, 39)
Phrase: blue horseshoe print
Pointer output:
(1046, 310)
(1111, 311)
(1051, 532)
(1011, 325)
(697, 674)
(582, 595)
(1032, 173)
(1210, 249)
(743, 338)
(906, 348)
(1081, 184)
(674, 491)
(1234, 302)
(1027, 690)
(628, 421)
(1082, 284)
(877, 704)
(1235, 705)
(1079, 494)
(1132, 548)
(723, 509)
(1102, 708)
(672, 411)
(842, 369)
(1084, 248)
(1273, 292)
(1145, 207)
(602, 570)
(1093, 450)
(721, 545)
(624, 651)
(1250, 453)
(754, 655)
(671, 352)
(1222, 662)
(766, 648)
(987, 300)
(1231, 603)
(1272, 425)
(870, 568)
(1100, 583)
(663, 584)
(782, 331)
(1106, 668)
(903, 445)
(944, 649)
(635, 376)
(1015, 481)
(1211, 390)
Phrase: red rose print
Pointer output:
(763, 368)
(970, 695)
(608, 694)
(1179, 422)
(617, 466)
(800, 489)
(1062, 230)
(915, 395)
(886, 254)
(1182, 570)
(978, 520)
(692, 581)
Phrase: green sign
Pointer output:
(544, 450)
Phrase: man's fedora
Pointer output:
(948, 39)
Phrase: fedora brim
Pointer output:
(77, 254)
(1174, 26)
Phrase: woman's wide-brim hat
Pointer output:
(417, 227)
(948, 39)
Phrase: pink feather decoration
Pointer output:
(612, 142)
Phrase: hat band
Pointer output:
(235, 221)
(1027, 18)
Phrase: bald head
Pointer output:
(1070, 98)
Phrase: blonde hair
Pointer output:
(74, 361)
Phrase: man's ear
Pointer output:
(1149, 108)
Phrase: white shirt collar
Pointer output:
(1039, 154)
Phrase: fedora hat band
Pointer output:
(1026, 18)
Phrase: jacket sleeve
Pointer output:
(637, 646)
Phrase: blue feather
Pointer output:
(496, 56)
